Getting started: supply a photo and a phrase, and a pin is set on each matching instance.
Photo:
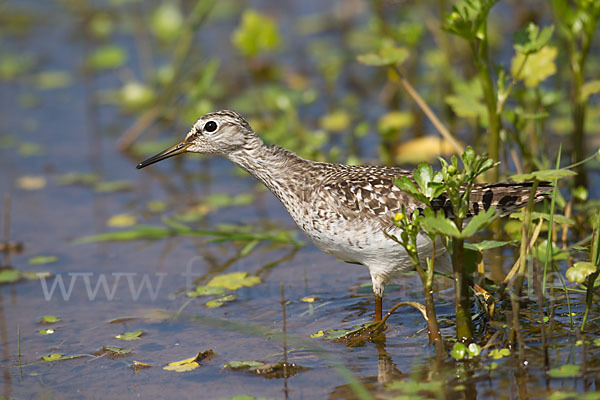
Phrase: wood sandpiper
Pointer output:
(346, 210)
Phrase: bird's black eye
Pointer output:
(210, 126)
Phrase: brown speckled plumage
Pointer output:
(346, 210)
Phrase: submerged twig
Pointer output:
(284, 342)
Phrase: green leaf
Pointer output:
(134, 335)
(588, 89)
(557, 218)
(479, 222)
(42, 260)
(336, 121)
(48, 80)
(9, 275)
(467, 100)
(438, 224)
(424, 176)
(544, 175)
(52, 357)
(580, 271)
(256, 34)
(459, 351)
(486, 245)
(474, 349)
(46, 331)
(564, 371)
(387, 56)
(497, 354)
(113, 186)
(234, 280)
(531, 40)
(204, 290)
(245, 364)
(107, 57)
(117, 351)
(537, 68)
(49, 319)
(407, 185)
(166, 21)
(220, 301)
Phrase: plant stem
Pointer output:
(464, 325)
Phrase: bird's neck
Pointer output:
(275, 167)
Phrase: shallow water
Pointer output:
(78, 134)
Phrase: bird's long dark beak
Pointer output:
(179, 148)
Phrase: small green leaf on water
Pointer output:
(49, 319)
(78, 178)
(121, 220)
(117, 351)
(47, 331)
(42, 260)
(9, 275)
(220, 301)
(156, 206)
(234, 280)
(113, 186)
(107, 57)
(245, 364)
(458, 351)
(189, 364)
(309, 299)
(53, 80)
(28, 149)
(52, 357)
(31, 182)
(205, 290)
(492, 366)
(497, 354)
(318, 334)
(580, 271)
(135, 335)
(474, 349)
(564, 371)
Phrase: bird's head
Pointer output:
(219, 133)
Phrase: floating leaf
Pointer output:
(309, 299)
(53, 80)
(49, 319)
(42, 260)
(113, 186)
(243, 364)
(234, 280)
(564, 371)
(256, 34)
(156, 206)
(121, 220)
(28, 149)
(318, 334)
(9, 275)
(580, 271)
(459, 351)
(30, 182)
(474, 349)
(107, 57)
(189, 364)
(497, 354)
(52, 357)
(220, 301)
(78, 178)
(134, 335)
(115, 351)
(47, 331)
(204, 290)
